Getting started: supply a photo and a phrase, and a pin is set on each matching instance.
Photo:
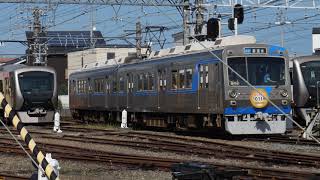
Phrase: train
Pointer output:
(191, 87)
(305, 73)
(30, 90)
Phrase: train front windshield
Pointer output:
(311, 76)
(36, 82)
(258, 71)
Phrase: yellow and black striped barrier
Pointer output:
(13, 117)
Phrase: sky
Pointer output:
(116, 21)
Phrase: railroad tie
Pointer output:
(14, 119)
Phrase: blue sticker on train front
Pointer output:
(252, 110)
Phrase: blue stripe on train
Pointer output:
(252, 110)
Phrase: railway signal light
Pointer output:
(213, 28)
(238, 13)
(231, 24)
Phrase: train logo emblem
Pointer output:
(258, 99)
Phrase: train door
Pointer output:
(72, 91)
(122, 92)
(203, 87)
(107, 91)
(129, 90)
(161, 88)
(90, 100)
(8, 90)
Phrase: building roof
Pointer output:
(72, 39)
(6, 59)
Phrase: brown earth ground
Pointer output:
(74, 170)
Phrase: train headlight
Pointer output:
(284, 93)
(233, 93)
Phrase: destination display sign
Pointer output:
(250, 50)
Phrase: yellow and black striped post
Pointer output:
(13, 117)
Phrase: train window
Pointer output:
(239, 65)
(98, 86)
(130, 82)
(109, 84)
(189, 78)
(162, 80)
(1, 86)
(204, 76)
(174, 80)
(145, 82)
(181, 79)
(121, 84)
(114, 85)
(140, 82)
(82, 84)
(150, 81)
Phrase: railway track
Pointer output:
(157, 142)
(201, 148)
(12, 177)
(284, 140)
(145, 162)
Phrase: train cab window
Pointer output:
(204, 76)
(121, 84)
(258, 71)
(174, 79)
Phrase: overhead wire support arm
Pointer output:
(293, 4)
(172, 3)
(290, 4)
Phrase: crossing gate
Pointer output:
(26, 137)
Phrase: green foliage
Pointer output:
(63, 88)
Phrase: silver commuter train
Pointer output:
(305, 73)
(191, 88)
(30, 90)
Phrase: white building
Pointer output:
(91, 58)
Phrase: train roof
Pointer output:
(14, 67)
(193, 49)
(302, 59)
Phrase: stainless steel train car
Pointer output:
(187, 87)
(30, 90)
(306, 88)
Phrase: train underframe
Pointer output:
(237, 125)
(25, 117)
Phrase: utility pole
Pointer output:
(282, 21)
(199, 17)
(92, 28)
(37, 49)
(138, 38)
(186, 17)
